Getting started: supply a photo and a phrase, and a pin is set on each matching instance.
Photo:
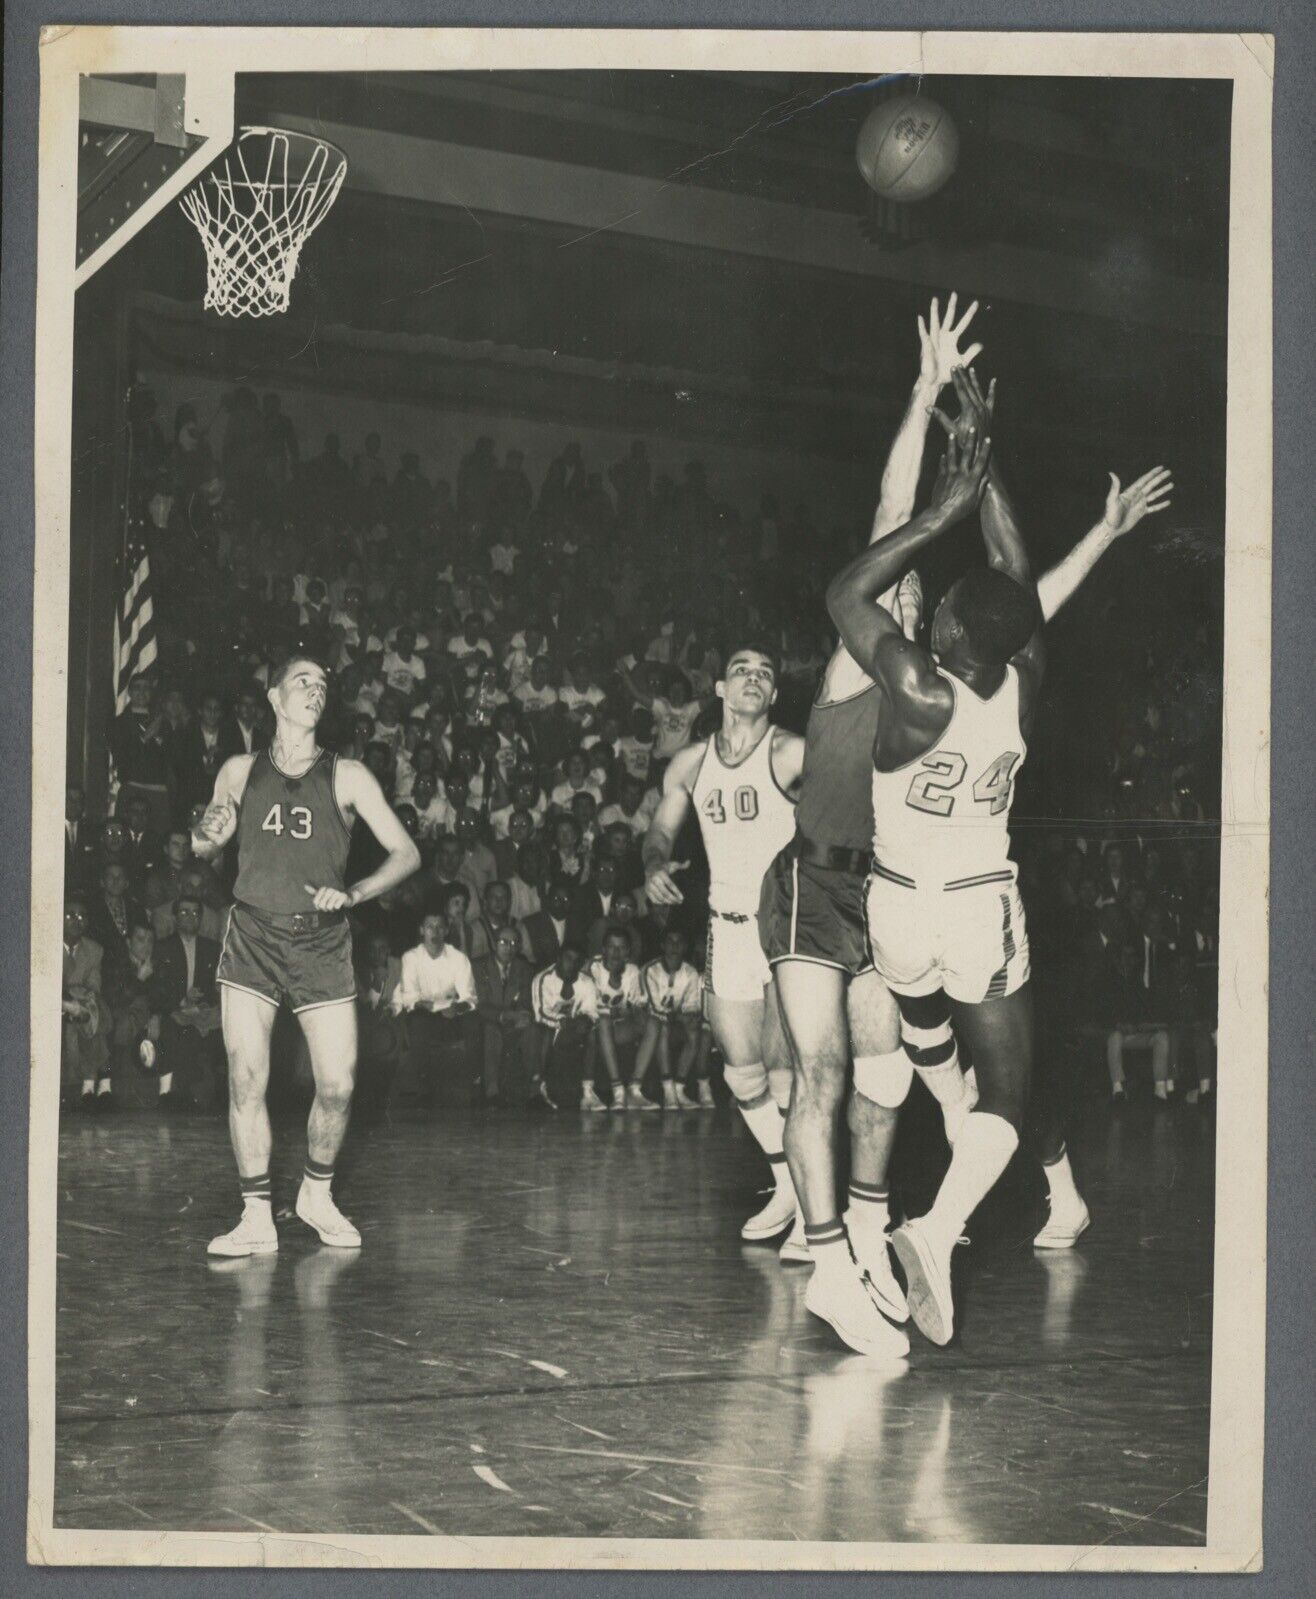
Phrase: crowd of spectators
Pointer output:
(516, 663)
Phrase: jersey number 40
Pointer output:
(745, 803)
(299, 821)
(932, 788)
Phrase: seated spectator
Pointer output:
(446, 871)
(568, 858)
(519, 830)
(193, 1069)
(523, 649)
(143, 846)
(503, 981)
(526, 796)
(1119, 1004)
(85, 1035)
(496, 918)
(535, 694)
(470, 648)
(462, 931)
(635, 748)
(437, 992)
(79, 846)
(483, 698)
(115, 849)
(580, 696)
(622, 846)
(138, 1001)
(524, 881)
(381, 1031)
(633, 807)
(164, 881)
(141, 757)
(584, 813)
(1114, 880)
(403, 669)
(594, 901)
(111, 916)
(566, 1007)
(618, 1030)
(433, 814)
(575, 780)
(674, 993)
(546, 931)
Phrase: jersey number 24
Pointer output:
(932, 788)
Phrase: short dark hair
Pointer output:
(281, 670)
(998, 614)
(759, 646)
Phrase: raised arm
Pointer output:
(673, 808)
(631, 684)
(1125, 508)
(939, 357)
(870, 633)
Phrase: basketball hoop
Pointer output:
(255, 210)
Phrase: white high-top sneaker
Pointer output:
(776, 1215)
(706, 1100)
(839, 1295)
(255, 1234)
(635, 1099)
(589, 1099)
(869, 1245)
(315, 1206)
(795, 1250)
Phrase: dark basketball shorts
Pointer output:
(809, 912)
(305, 959)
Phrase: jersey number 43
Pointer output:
(299, 821)
(933, 786)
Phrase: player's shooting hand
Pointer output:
(939, 343)
(962, 477)
(976, 408)
(659, 887)
(329, 899)
(1125, 508)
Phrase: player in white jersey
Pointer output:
(620, 1024)
(740, 782)
(674, 993)
(943, 908)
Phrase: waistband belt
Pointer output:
(1003, 875)
(730, 916)
(833, 856)
(292, 921)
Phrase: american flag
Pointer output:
(134, 620)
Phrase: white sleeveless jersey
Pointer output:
(746, 820)
(945, 817)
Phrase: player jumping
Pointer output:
(943, 908)
(292, 807)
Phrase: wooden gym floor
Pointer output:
(553, 1328)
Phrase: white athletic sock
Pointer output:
(829, 1246)
(767, 1124)
(982, 1152)
(88, 1086)
(869, 1207)
(166, 1083)
(102, 1087)
(945, 1082)
(1060, 1179)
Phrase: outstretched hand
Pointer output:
(1150, 493)
(976, 408)
(939, 342)
(660, 887)
(962, 477)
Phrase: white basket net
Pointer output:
(255, 211)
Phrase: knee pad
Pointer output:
(747, 1083)
(884, 1079)
(928, 1046)
(779, 1085)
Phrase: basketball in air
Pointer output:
(907, 148)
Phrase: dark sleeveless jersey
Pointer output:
(290, 833)
(835, 807)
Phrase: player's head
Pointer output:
(568, 961)
(673, 948)
(616, 949)
(507, 944)
(749, 682)
(986, 617)
(299, 690)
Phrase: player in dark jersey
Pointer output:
(291, 808)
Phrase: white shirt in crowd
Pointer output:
(678, 993)
(610, 815)
(564, 793)
(443, 979)
(623, 994)
(581, 703)
(552, 1007)
(635, 755)
(502, 558)
(403, 674)
(675, 724)
(533, 700)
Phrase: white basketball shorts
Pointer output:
(971, 941)
(735, 966)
